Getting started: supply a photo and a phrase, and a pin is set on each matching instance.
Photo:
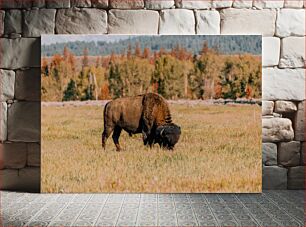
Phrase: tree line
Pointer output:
(230, 44)
(175, 74)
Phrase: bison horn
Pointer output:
(161, 132)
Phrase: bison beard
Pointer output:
(148, 114)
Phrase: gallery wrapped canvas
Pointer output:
(153, 114)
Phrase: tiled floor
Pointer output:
(271, 208)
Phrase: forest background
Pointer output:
(177, 67)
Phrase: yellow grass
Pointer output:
(219, 151)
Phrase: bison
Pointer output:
(148, 114)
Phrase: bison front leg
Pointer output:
(116, 135)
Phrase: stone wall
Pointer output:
(281, 22)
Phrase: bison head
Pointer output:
(167, 135)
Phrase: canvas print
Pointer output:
(151, 114)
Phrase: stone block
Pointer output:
(283, 84)
(99, 3)
(293, 52)
(303, 157)
(80, 3)
(293, 3)
(289, 154)
(296, 178)
(2, 15)
(248, 21)
(133, 22)
(222, 3)
(208, 22)
(81, 21)
(285, 107)
(3, 121)
(27, 86)
(24, 122)
(269, 154)
(274, 177)
(33, 154)
(38, 3)
(242, 4)
(177, 21)
(38, 22)
(26, 179)
(262, 4)
(13, 21)
(126, 4)
(192, 4)
(159, 4)
(19, 53)
(299, 122)
(270, 51)
(277, 129)
(7, 81)
(13, 155)
(55, 4)
(290, 22)
(267, 108)
(15, 4)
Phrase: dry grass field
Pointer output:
(219, 151)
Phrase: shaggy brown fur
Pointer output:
(139, 114)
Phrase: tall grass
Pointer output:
(219, 151)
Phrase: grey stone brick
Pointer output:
(39, 3)
(13, 21)
(7, 81)
(2, 15)
(126, 4)
(269, 154)
(133, 22)
(33, 158)
(274, 177)
(3, 121)
(299, 122)
(283, 84)
(296, 177)
(290, 22)
(24, 122)
(192, 4)
(27, 85)
(178, 21)
(13, 155)
(15, 4)
(277, 129)
(55, 4)
(38, 21)
(248, 21)
(289, 154)
(208, 22)
(267, 108)
(26, 179)
(19, 53)
(159, 4)
(100, 3)
(285, 107)
(80, 3)
(81, 21)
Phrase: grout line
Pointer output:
(213, 214)
(250, 213)
(124, 195)
(194, 215)
(81, 210)
(100, 213)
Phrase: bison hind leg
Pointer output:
(116, 135)
(106, 133)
